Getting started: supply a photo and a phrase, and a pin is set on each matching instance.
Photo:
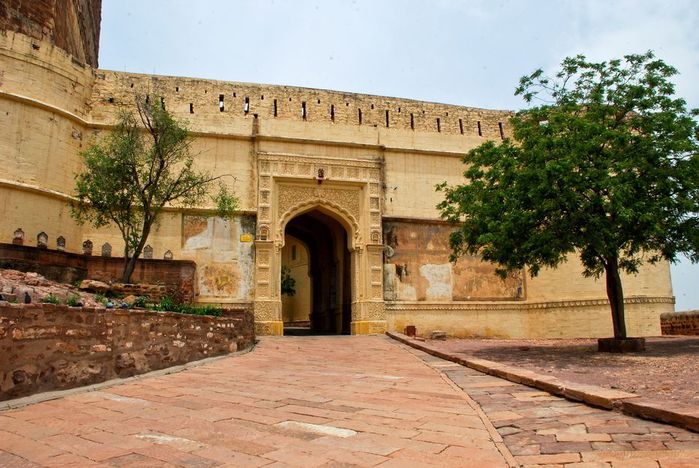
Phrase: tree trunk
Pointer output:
(615, 293)
(131, 262)
(128, 269)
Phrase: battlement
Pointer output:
(219, 101)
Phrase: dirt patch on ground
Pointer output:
(668, 369)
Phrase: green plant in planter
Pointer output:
(101, 299)
(51, 299)
(74, 300)
(288, 283)
(141, 301)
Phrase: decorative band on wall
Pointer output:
(511, 305)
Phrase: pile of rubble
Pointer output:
(17, 286)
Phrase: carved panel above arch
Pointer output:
(292, 195)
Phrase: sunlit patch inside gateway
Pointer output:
(315, 256)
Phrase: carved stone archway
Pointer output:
(347, 190)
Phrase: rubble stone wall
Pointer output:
(680, 323)
(46, 347)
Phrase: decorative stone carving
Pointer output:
(42, 240)
(291, 195)
(18, 237)
(264, 233)
(375, 237)
(148, 252)
(374, 311)
(263, 257)
(167, 255)
(106, 250)
(87, 247)
(61, 244)
(267, 311)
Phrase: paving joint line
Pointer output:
(591, 395)
(492, 431)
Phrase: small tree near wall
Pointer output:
(141, 167)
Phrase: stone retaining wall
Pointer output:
(46, 347)
(680, 323)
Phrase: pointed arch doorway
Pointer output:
(336, 218)
(317, 259)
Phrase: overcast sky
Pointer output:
(465, 52)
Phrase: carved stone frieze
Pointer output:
(298, 165)
(292, 195)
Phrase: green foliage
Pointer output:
(288, 283)
(605, 167)
(141, 301)
(142, 166)
(51, 299)
(101, 299)
(73, 300)
(225, 201)
(168, 304)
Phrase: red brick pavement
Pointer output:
(306, 401)
(331, 401)
(541, 429)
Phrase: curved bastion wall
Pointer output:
(270, 142)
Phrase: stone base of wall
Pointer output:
(65, 267)
(47, 347)
(526, 320)
(680, 323)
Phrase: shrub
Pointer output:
(168, 304)
(73, 300)
(141, 301)
(101, 299)
(51, 299)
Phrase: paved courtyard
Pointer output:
(331, 401)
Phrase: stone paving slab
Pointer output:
(541, 429)
(678, 414)
(294, 401)
(332, 401)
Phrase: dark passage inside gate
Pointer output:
(317, 260)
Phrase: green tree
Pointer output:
(605, 166)
(142, 166)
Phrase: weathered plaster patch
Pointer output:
(225, 263)
(219, 280)
(196, 231)
(439, 281)
(406, 292)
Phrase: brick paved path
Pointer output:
(539, 428)
(306, 401)
(331, 401)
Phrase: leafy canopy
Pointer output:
(142, 166)
(605, 165)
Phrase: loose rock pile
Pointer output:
(15, 286)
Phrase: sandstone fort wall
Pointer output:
(53, 107)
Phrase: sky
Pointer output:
(463, 52)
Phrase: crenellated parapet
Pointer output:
(213, 105)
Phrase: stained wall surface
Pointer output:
(72, 25)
